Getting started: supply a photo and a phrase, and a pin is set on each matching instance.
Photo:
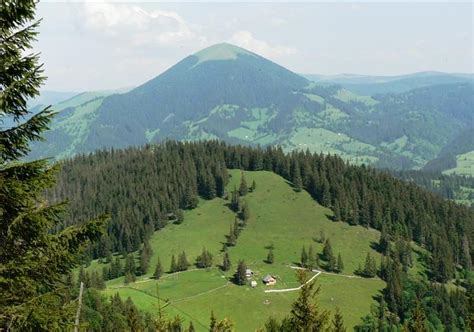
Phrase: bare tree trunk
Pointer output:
(79, 305)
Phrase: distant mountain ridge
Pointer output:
(228, 93)
(372, 85)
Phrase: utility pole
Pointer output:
(78, 312)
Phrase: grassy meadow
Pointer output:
(279, 216)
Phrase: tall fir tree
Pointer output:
(240, 276)
(158, 270)
(226, 262)
(173, 265)
(254, 186)
(243, 189)
(33, 255)
(340, 264)
(327, 250)
(304, 257)
(306, 315)
(338, 322)
(270, 256)
(296, 177)
(231, 239)
(183, 263)
(370, 267)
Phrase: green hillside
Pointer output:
(279, 216)
(464, 164)
(228, 93)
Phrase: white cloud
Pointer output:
(246, 40)
(141, 27)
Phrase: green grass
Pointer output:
(464, 165)
(221, 51)
(347, 96)
(326, 141)
(279, 216)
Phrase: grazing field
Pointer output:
(280, 217)
(464, 165)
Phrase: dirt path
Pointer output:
(284, 290)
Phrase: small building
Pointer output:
(269, 280)
(253, 284)
(248, 273)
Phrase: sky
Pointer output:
(108, 45)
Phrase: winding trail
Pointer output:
(284, 290)
(318, 272)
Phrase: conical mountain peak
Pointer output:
(222, 51)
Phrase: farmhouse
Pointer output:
(248, 273)
(253, 283)
(269, 280)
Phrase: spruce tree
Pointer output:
(327, 250)
(235, 200)
(204, 260)
(270, 256)
(245, 213)
(296, 177)
(306, 315)
(173, 266)
(384, 242)
(338, 322)
(332, 263)
(213, 322)
(182, 262)
(231, 239)
(158, 270)
(240, 276)
(144, 260)
(243, 189)
(304, 257)
(236, 227)
(337, 211)
(33, 254)
(130, 266)
(370, 267)
(311, 258)
(417, 322)
(226, 262)
(340, 264)
(254, 186)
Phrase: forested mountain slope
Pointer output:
(358, 195)
(225, 92)
(448, 158)
(159, 181)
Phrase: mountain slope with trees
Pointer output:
(225, 92)
(409, 219)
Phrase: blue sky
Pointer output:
(106, 45)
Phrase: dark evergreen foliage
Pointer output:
(365, 196)
(204, 260)
(270, 256)
(33, 256)
(240, 277)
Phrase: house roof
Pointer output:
(268, 278)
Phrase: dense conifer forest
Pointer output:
(454, 187)
(145, 188)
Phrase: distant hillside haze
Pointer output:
(372, 85)
(228, 93)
